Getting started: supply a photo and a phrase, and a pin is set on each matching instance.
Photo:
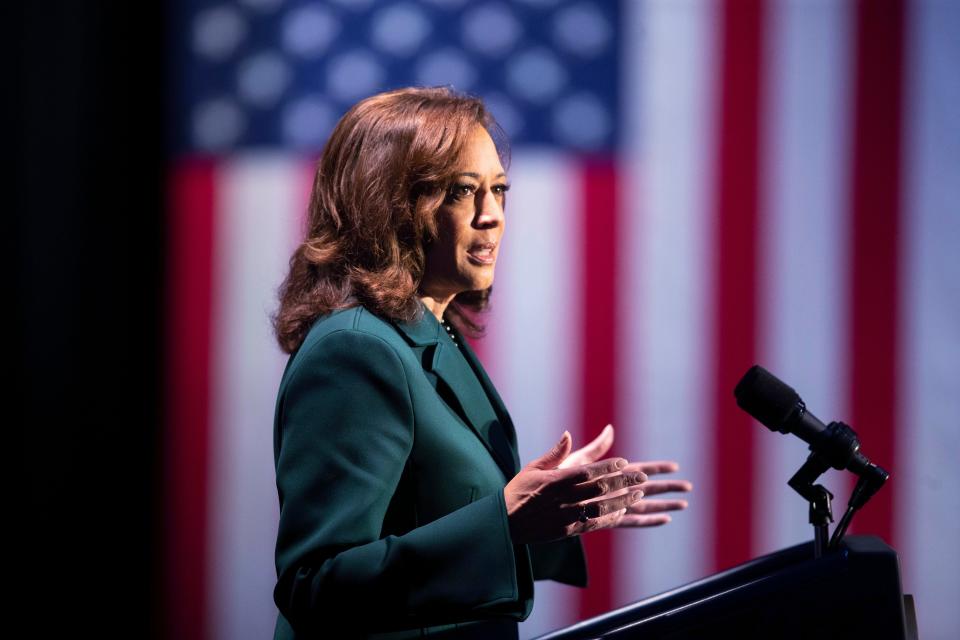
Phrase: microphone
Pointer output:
(777, 406)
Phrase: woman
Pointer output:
(404, 510)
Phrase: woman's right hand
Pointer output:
(545, 502)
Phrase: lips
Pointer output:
(483, 252)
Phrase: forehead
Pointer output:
(480, 154)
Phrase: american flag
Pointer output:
(697, 187)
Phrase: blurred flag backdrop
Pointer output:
(697, 187)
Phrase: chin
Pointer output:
(478, 279)
(479, 284)
(476, 285)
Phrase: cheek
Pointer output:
(454, 233)
(444, 249)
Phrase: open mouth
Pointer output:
(482, 252)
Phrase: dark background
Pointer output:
(88, 247)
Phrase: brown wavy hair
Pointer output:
(380, 181)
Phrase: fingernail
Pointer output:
(636, 495)
(621, 463)
(639, 477)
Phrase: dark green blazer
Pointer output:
(391, 464)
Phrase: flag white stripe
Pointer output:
(803, 270)
(666, 250)
(531, 346)
(258, 206)
(926, 479)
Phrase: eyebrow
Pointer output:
(476, 176)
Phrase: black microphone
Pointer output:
(777, 406)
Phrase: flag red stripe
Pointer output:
(597, 341)
(735, 287)
(875, 286)
(190, 240)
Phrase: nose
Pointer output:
(490, 211)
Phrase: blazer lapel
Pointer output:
(439, 359)
(501, 410)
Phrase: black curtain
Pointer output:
(87, 122)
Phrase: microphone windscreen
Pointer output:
(766, 397)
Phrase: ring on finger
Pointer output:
(583, 514)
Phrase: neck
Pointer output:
(436, 304)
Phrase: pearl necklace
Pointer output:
(449, 329)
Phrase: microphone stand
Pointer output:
(836, 447)
(870, 481)
(819, 497)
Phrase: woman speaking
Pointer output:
(403, 507)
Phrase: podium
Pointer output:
(851, 592)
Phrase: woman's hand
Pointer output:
(646, 513)
(593, 451)
(547, 501)
(652, 513)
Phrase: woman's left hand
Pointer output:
(652, 513)
(647, 512)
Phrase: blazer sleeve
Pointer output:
(346, 422)
(560, 560)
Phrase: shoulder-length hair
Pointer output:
(383, 174)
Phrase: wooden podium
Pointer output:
(853, 592)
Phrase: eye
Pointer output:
(462, 190)
(500, 189)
